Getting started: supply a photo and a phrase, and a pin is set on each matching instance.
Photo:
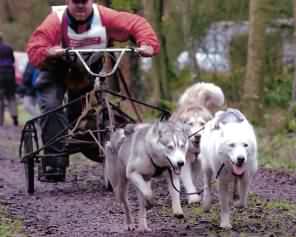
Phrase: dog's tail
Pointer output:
(204, 94)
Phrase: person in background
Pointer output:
(7, 82)
(78, 24)
(29, 90)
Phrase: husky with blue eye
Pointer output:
(140, 152)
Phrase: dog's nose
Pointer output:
(240, 160)
(180, 163)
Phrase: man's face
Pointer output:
(80, 9)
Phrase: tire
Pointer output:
(29, 163)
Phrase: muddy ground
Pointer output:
(82, 207)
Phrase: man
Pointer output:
(81, 23)
(7, 82)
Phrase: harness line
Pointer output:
(199, 192)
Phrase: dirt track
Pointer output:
(82, 207)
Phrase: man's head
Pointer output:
(80, 9)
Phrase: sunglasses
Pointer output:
(79, 1)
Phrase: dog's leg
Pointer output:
(109, 167)
(121, 192)
(207, 198)
(107, 171)
(175, 195)
(141, 185)
(235, 189)
(224, 197)
(243, 192)
(142, 215)
(187, 179)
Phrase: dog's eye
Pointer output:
(245, 144)
(170, 147)
(232, 145)
(202, 123)
(190, 123)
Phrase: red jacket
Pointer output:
(120, 27)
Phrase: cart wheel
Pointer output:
(29, 162)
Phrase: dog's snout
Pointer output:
(180, 163)
(240, 160)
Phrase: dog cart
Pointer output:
(102, 113)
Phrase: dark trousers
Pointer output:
(7, 92)
(51, 94)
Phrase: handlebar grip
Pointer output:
(70, 56)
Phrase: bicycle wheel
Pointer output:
(29, 162)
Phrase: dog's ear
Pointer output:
(186, 128)
(156, 128)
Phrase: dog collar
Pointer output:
(158, 170)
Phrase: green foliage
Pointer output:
(278, 91)
(125, 4)
(208, 11)
(280, 9)
(276, 150)
(278, 82)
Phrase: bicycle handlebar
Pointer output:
(78, 53)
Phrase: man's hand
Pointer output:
(146, 50)
(55, 52)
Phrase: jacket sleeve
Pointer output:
(122, 26)
(47, 35)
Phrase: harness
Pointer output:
(158, 170)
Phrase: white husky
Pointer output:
(195, 107)
(228, 150)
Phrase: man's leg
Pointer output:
(50, 96)
(12, 107)
(2, 107)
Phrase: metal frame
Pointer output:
(30, 149)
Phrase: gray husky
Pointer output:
(140, 152)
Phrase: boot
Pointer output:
(51, 174)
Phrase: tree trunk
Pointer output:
(161, 61)
(252, 96)
(291, 118)
(153, 84)
(294, 82)
(186, 11)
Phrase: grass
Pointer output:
(277, 151)
(261, 218)
(9, 226)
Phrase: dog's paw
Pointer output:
(149, 204)
(194, 199)
(226, 225)
(240, 205)
(179, 215)
(144, 229)
(130, 227)
(206, 206)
